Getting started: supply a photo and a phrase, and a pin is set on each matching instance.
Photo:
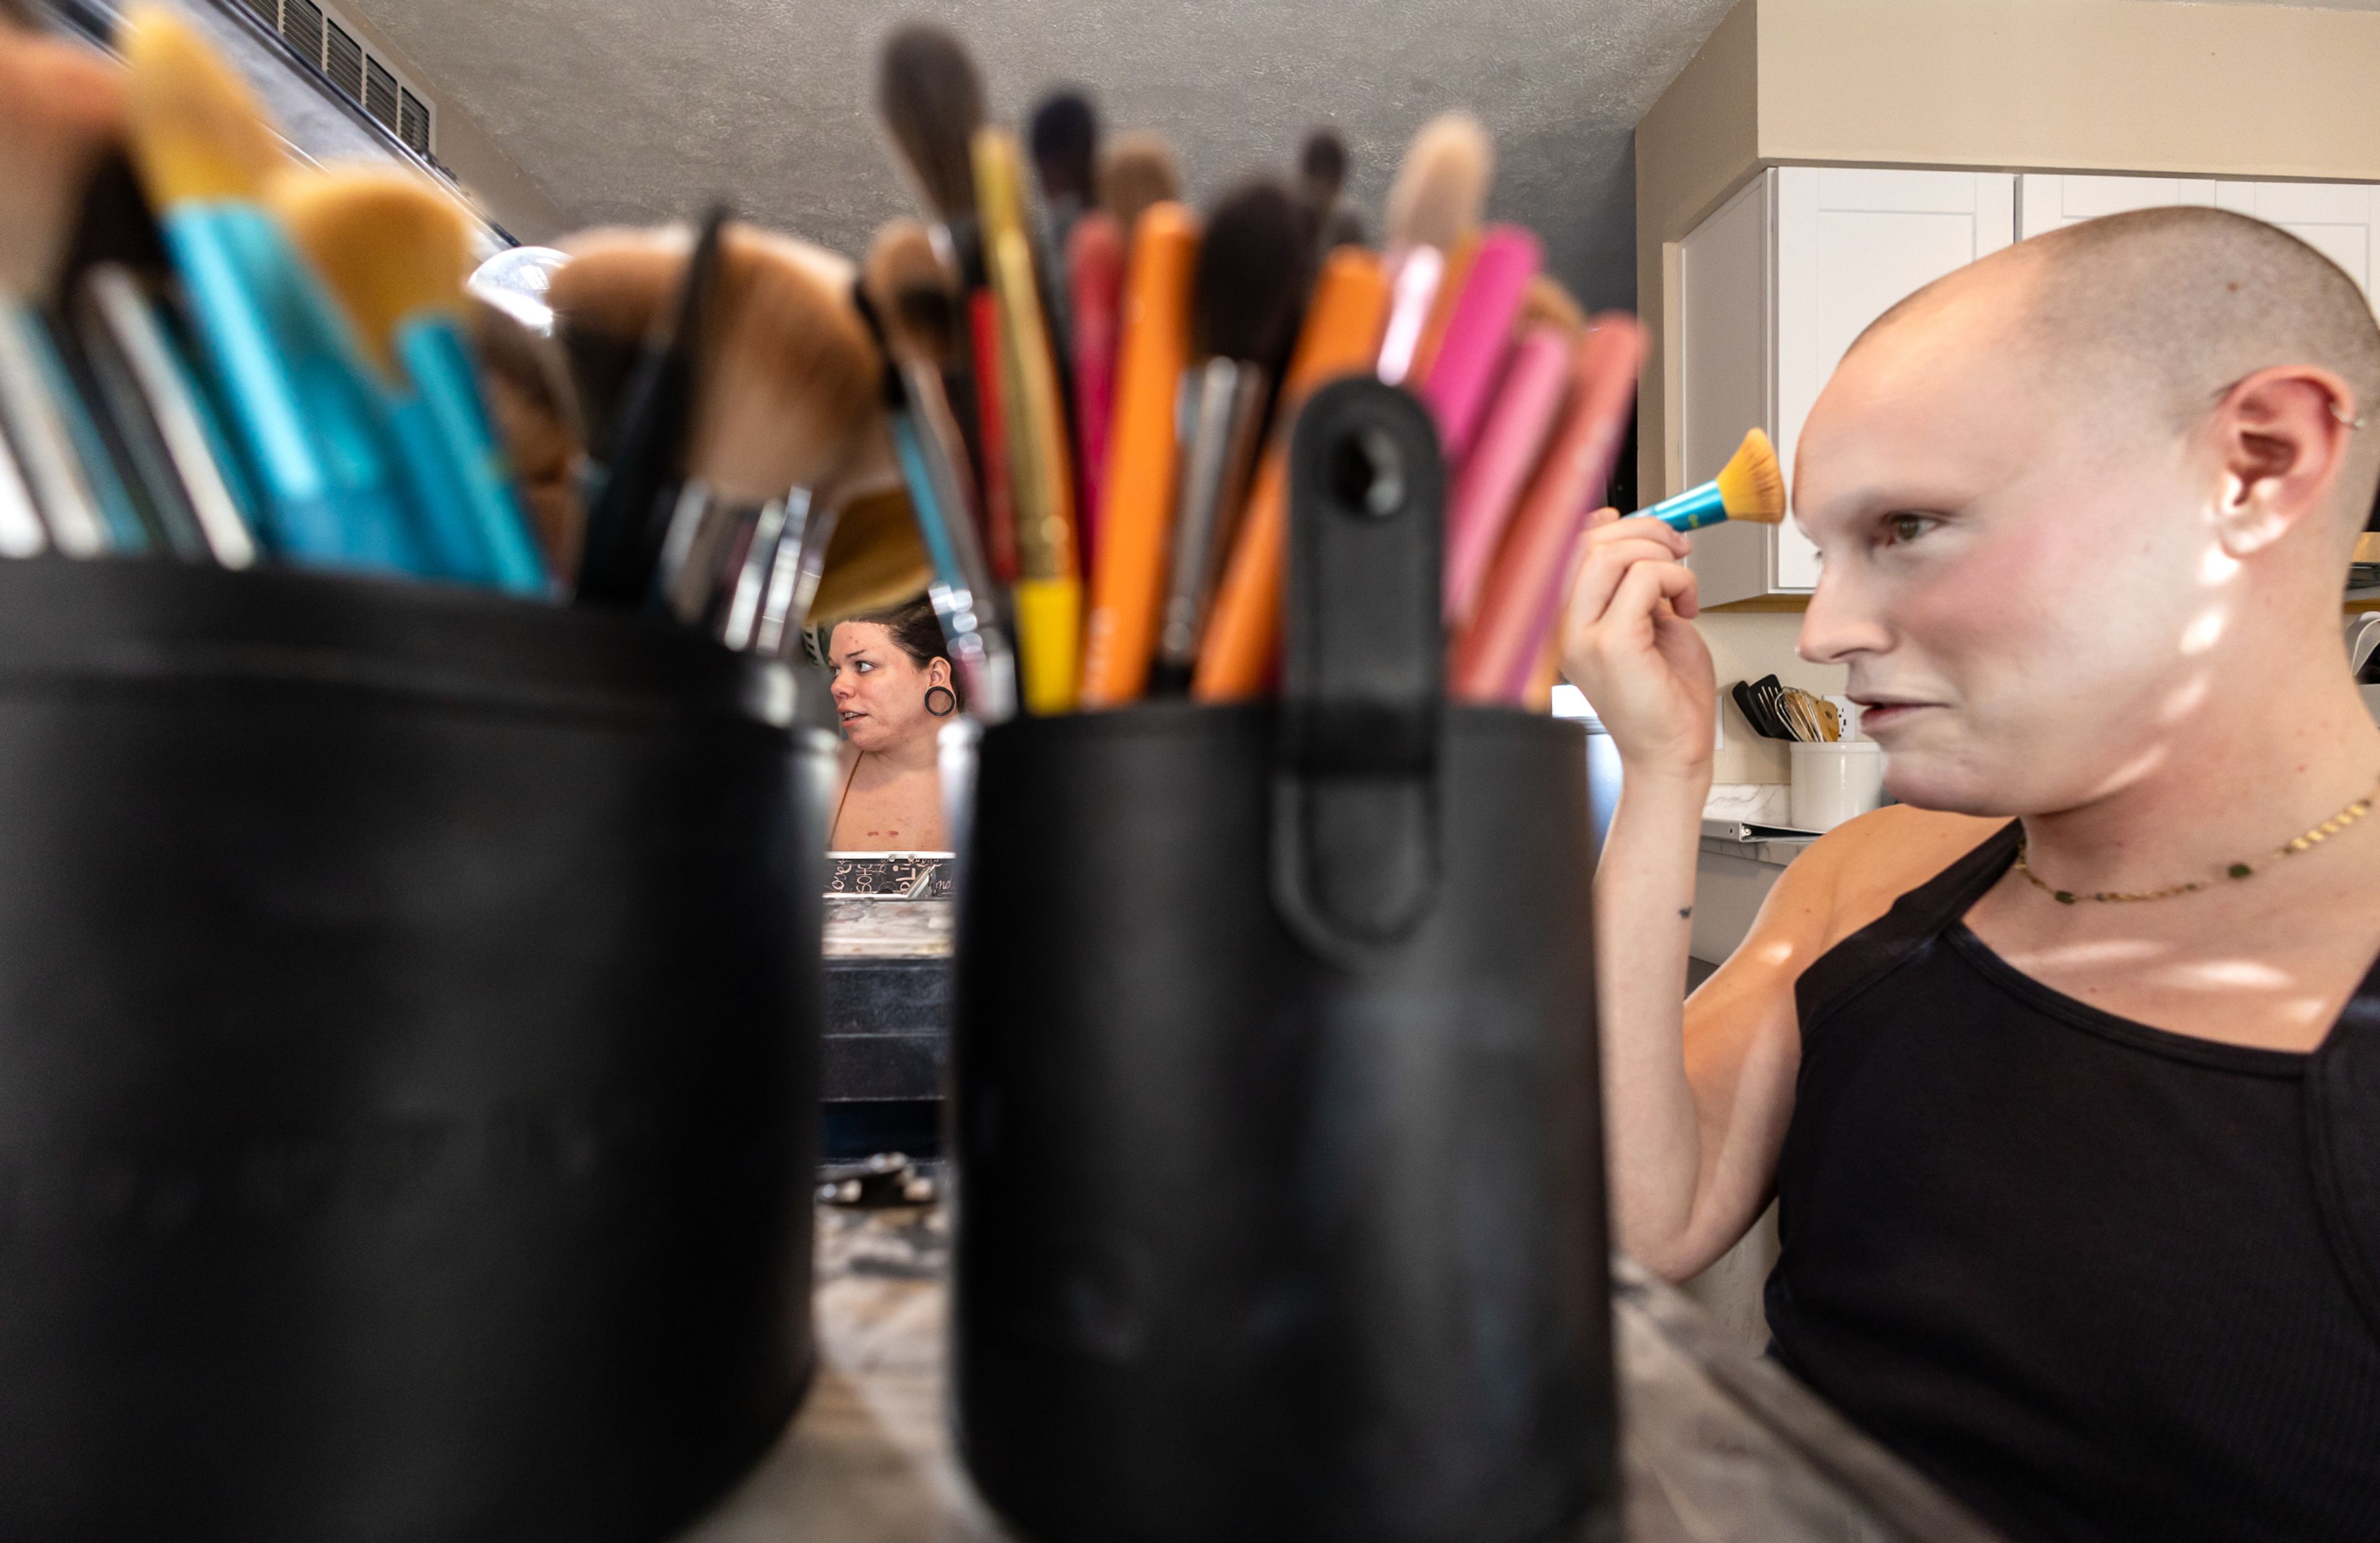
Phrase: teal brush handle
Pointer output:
(442, 523)
(439, 363)
(1691, 510)
(300, 408)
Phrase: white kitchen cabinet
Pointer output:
(1772, 289)
(2337, 219)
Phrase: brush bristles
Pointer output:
(1322, 162)
(1064, 142)
(1137, 171)
(615, 293)
(196, 131)
(788, 383)
(1440, 192)
(389, 245)
(930, 100)
(913, 292)
(1752, 485)
(1254, 265)
(61, 109)
(1547, 304)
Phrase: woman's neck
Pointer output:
(917, 753)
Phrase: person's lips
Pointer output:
(1880, 713)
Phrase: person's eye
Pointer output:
(1904, 527)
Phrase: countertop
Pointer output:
(1718, 1446)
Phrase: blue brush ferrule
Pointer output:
(1690, 510)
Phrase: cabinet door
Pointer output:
(2337, 219)
(1851, 243)
(1723, 362)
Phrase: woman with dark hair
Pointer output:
(893, 690)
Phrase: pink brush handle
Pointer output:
(1478, 336)
(1492, 479)
(1520, 600)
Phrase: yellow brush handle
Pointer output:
(1045, 503)
(1049, 633)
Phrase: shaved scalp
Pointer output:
(2166, 308)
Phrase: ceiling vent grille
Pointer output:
(301, 23)
(413, 122)
(343, 61)
(380, 90)
(326, 40)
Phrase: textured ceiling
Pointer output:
(639, 110)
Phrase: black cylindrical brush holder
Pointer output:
(1280, 1205)
(408, 1020)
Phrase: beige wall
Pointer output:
(2262, 91)
(501, 188)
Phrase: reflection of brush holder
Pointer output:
(408, 1006)
(1280, 1210)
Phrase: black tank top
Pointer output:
(2099, 1280)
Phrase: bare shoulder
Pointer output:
(1853, 873)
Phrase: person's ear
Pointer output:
(938, 671)
(2282, 436)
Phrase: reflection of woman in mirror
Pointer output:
(893, 689)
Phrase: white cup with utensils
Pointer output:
(1833, 783)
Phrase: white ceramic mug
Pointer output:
(1833, 783)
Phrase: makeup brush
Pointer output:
(1322, 178)
(530, 401)
(1137, 173)
(1341, 334)
(1435, 205)
(786, 408)
(21, 534)
(394, 251)
(609, 301)
(168, 425)
(1478, 335)
(1048, 594)
(1547, 304)
(1246, 298)
(1491, 479)
(1095, 287)
(930, 100)
(54, 472)
(295, 394)
(1065, 139)
(911, 294)
(1128, 587)
(62, 110)
(1521, 597)
(645, 455)
(1750, 488)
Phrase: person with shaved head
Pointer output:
(2065, 1071)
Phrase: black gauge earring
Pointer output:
(949, 704)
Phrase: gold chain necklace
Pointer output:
(2312, 838)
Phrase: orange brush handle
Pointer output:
(1494, 655)
(1136, 497)
(1341, 334)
